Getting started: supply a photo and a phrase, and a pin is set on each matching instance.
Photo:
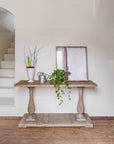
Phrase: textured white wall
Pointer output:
(66, 22)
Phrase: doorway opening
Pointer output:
(7, 57)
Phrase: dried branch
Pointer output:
(32, 55)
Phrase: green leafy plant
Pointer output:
(59, 77)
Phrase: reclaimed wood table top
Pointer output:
(25, 83)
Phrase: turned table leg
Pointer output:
(80, 106)
(31, 106)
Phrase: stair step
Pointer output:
(6, 94)
(11, 51)
(7, 82)
(9, 57)
(14, 39)
(7, 91)
(12, 45)
(8, 88)
(7, 64)
(6, 101)
(7, 72)
(7, 77)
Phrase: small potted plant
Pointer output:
(30, 62)
(57, 78)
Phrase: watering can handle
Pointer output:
(39, 73)
(47, 76)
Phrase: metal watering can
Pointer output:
(42, 77)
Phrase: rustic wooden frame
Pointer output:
(66, 57)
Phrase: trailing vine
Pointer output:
(59, 77)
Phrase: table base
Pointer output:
(55, 120)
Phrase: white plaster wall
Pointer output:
(66, 22)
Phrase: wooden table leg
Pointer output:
(80, 106)
(31, 106)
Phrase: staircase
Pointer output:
(7, 77)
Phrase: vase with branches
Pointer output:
(31, 56)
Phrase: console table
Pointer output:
(31, 119)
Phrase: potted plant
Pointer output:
(57, 78)
(30, 62)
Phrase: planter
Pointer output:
(30, 74)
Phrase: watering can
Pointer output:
(42, 77)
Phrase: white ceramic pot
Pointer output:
(30, 74)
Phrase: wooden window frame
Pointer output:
(67, 58)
